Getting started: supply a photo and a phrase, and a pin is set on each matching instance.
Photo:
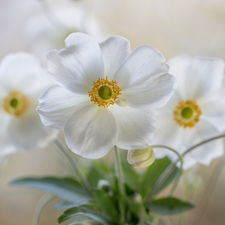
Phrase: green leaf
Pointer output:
(168, 180)
(153, 173)
(65, 188)
(90, 211)
(66, 204)
(77, 220)
(169, 206)
(107, 205)
(131, 177)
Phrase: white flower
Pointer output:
(195, 112)
(91, 77)
(21, 82)
(48, 31)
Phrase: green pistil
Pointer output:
(14, 103)
(187, 112)
(105, 92)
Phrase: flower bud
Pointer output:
(141, 158)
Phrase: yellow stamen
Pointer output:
(15, 103)
(187, 113)
(104, 92)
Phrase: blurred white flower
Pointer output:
(22, 80)
(91, 77)
(195, 112)
(50, 30)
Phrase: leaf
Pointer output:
(168, 180)
(107, 205)
(77, 220)
(131, 177)
(65, 188)
(169, 206)
(153, 173)
(90, 211)
(66, 204)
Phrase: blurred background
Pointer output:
(194, 27)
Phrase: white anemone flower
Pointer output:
(196, 111)
(105, 94)
(21, 82)
(46, 32)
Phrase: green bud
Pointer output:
(141, 158)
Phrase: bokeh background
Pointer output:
(194, 27)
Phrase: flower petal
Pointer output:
(213, 111)
(6, 147)
(207, 152)
(18, 71)
(78, 65)
(136, 127)
(57, 104)
(91, 132)
(144, 79)
(168, 133)
(115, 50)
(28, 133)
(197, 77)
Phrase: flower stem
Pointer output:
(119, 172)
(45, 199)
(202, 143)
(165, 174)
(169, 169)
(72, 161)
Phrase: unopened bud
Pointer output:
(141, 158)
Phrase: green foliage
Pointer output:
(107, 206)
(91, 211)
(153, 173)
(169, 206)
(66, 188)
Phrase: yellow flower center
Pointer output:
(104, 92)
(187, 113)
(15, 103)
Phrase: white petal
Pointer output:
(78, 65)
(171, 104)
(91, 132)
(57, 104)
(214, 112)
(144, 79)
(18, 71)
(188, 161)
(205, 153)
(6, 147)
(28, 133)
(197, 77)
(168, 133)
(136, 127)
(115, 50)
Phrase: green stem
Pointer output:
(119, 172)
(41, 204)
(169, 169)
(202, 143)
(165, 174)
(73, 162)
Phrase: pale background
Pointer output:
(194, 27)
